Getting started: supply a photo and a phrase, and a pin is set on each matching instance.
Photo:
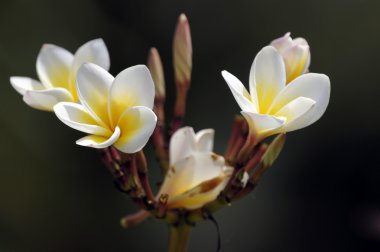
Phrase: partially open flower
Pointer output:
(296, 54)
(114, 111)
(57, 69)
(272, 106)
(197, 175)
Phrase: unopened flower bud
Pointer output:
(182, 52)
(296, 55)
(156, 70)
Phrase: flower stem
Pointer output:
(179, 238)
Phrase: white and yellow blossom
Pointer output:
(57, 69)
(197, 175)
(272, 106)
(296, 55)
(114, 111)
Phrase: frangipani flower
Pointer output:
(57, 69)
(272, 106)
(114, 111)
(197, 175)
(296, 54)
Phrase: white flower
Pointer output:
(296, 54)
(114, 111)
(56, 69)
(272, 106)
(197, 175)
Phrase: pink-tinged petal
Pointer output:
(182, 144)
(137, 125)
(94, 51)
(311, 85)
(240, 93)
(282, 43)
(53, 66)
(99, 142)
(205, 140)
(132, 87)
(93, 85)
(267, 77)
(296, 60)
(23, 84)
(75, 116)
(46, 99)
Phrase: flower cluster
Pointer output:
(122, 113)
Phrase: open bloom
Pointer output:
(272, 106)
(57, 69)
(296, 55)
(197, 175)
(114, 111)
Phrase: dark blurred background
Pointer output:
(322, 194)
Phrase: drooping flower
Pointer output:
(114, 111)
(296, 55)
(272, 106)
(197, 175)
(57, 69)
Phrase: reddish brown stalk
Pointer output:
(260, 150)
(142, 169)
(159, 136)
(236, 131)
(133, 220)
(179, 108)
(247, 149)
(238, 144)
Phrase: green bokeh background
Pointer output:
(322, 194)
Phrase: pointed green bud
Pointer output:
(274, 150)
(271, 154)
(182, 52)
(157, 72)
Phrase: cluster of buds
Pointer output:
(121, 114)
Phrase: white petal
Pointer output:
(53, 66)
(46, 99)
(191, 171)
(94, 51)
(132, 87)
(311, 85)
(93, 84)
(182, 144)
(75, 116)
(263, 125)
(23, 84)
(240, 93)
(99, 142)
(267, 77)
(205, 140)
(136, 125)
(294, 111)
